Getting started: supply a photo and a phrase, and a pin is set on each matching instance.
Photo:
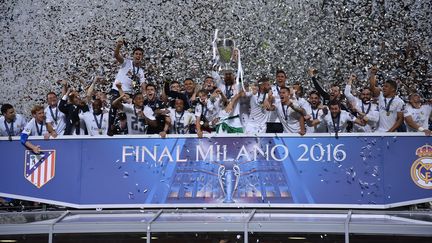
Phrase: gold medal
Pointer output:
(100, 131)
(388, 113)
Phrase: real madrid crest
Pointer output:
(421, 170)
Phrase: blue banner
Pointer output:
(284, 171)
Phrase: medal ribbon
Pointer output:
(387, 107)
(368, 109)
(285, 111)
(39, 132)
(52, 114)
(336, 123)
(315, 116)
(10, 131)
(177, 121)
(98, 124)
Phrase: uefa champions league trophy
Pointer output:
(229, 175)
(225, 46)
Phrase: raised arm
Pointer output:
(119, 88)
(313, 73)
(166, 87)
(64, 86)
(63, 105)
(217, 78)
(117, 103)
(373, 81)
(117, 54)
(90, 89)
(347, 91)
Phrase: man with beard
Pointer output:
(363, 107)
(317, 111)
(337, 120)
(259, 105)
(160, 112)
(229, 116)
(11, 124)
(391, 107)
(96, 121)
(333, 94)
(138, 116)
(290, 114)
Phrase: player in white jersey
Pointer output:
(139, 117)
(417, 115)
(181, 119)
(289, 112)
(207, 111)
(273, 123)
(258, 112)
(37, 127)
(96, 120)
(230, 121)
(11, 124)
(298, 95)
(316, 113)
(337, 120)
(364, 107)
(391, 107)
(130, 76)
(53, 115)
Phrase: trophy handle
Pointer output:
(233, 56)
(236, 170)
(221, 172)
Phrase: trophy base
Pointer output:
(228, 201)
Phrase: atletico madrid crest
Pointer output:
(39, 168)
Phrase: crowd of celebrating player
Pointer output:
(219, 104)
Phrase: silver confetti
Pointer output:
(336, 37)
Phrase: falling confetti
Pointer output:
(74, 40)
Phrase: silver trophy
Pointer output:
(229, 175)
(225, 49)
